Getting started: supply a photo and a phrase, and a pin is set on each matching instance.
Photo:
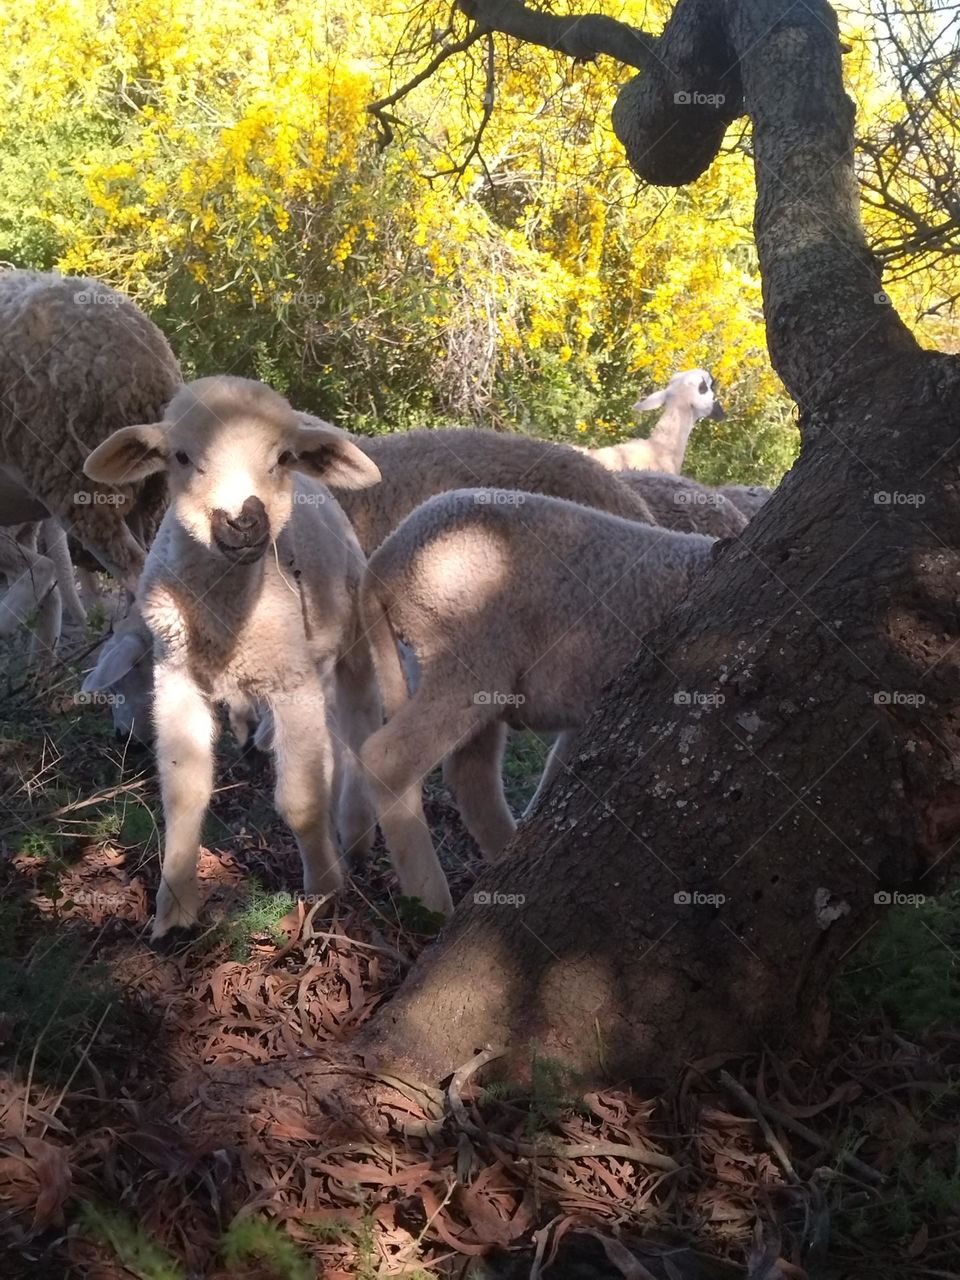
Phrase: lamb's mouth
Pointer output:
(243, 554)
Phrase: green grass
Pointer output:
(260, 912)
(255, 1239)
(545, 1095)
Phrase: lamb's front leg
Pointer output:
(185, 727)
(303, 753)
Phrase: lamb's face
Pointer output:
(691, 392)
(230, 447)
(694, 388)
(231, 484)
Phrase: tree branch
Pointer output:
(378, 109)
(583, 37)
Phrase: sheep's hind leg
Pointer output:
(358, 716)
(185, 725)
(560, 753)
(304, 759)
(396, 760)
(474, 772)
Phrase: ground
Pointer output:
(841, 1158)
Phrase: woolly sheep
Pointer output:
(748, 498)
(518, 611)
(77, 361)
(415, 465)
(251, 593)
(687, 397)
(684, 505)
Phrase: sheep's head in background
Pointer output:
(230, 447)
(690, 393)
(123, 676)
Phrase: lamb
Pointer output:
(748, 498)
(682, 504)
(77, 361)
(415, 465)
(518, 611)
(687, 398)
(251, 593)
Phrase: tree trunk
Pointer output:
(783, 753)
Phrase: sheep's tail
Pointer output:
(383, 646)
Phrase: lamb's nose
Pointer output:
(252, 514)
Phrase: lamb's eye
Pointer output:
(182, 458)
(285, 458)
(703, 388)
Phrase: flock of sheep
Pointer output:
(367, 607)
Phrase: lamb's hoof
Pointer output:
(175, 939)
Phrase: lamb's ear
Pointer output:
(654, 401)
(129, 454)
(120, 654)
(325, 452)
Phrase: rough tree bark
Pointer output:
(811, 764)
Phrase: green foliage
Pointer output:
(139, 1254)
(256, 1239)
(909, 967)
(413, 915)
(545, 1094)
(259, 913)
(50, 991)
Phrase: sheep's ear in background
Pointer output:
(120, 654)
(325, 452)
(129, 454)
(655, 401)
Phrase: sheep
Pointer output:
(78, 360)
(687, 397)
(748, 498)
(251, 593)
(519, 609)
(415, 465)
(684, 505)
